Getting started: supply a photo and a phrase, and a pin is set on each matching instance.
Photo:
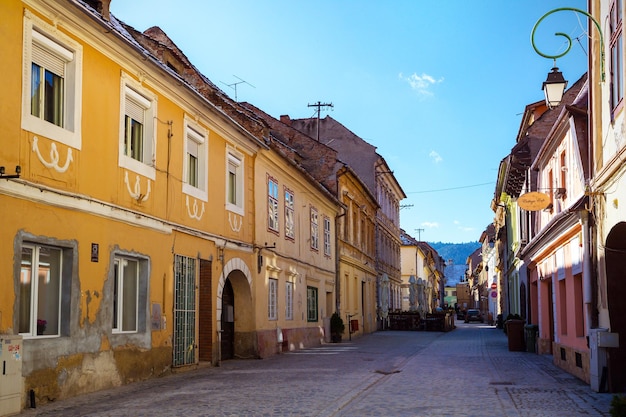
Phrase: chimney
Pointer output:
(105, 9)
(101, 6)
(284, 118)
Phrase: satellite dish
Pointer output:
(533, 201)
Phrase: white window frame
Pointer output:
(272, 299)
(272, 205)
(327, 240)
(289, 300)
(65, 49)
(290, 226)
(235, 166)
(196, 137)
(33, 276)
(120, 311)
(315, 237)
(133, 91)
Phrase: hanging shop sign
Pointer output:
(533, 201)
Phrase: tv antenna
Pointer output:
(319, 105)
(236, 83)
(419, 234)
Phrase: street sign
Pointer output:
(494, 294)
(494, 286)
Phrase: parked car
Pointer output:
(473, 315)
(460, 315)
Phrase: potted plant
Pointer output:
(41, 326)
(336, 328)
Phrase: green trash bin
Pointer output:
(531, 331)
(515, 334)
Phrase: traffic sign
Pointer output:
(494, 294)
(494, 286)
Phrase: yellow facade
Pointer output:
(106, 236)
(357, 253)
(295, 252)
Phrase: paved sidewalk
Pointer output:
(466, 372)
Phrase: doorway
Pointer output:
(228, 322)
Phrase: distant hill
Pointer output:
(458, 252)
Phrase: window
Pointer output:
(290, 229)
(311, 304)
(272, 204)
(234, 182)
(326, 236)
(272, 294)
(125, 295)
(617, 60)
(289, 301)
(314, 229)
(52, 83)
(40, 290)
(195, 163)
(137, 129)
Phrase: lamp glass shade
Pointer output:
(554, 88)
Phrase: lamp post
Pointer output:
(555, 84)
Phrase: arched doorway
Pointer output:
(615, 259)
(236, 312)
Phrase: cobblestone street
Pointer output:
(466, 372)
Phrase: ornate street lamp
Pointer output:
(555, 84)
(554, 87)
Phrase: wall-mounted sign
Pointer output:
(533, 201)
(95, 248)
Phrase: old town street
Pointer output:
(466, 372)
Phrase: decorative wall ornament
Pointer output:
(194, 214)
(54, 156)
(236, 221)
(136, 194)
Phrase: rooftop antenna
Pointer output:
(319, 106)
(419, 234)
(235, 84)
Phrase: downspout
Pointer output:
(587, 282)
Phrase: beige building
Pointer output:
(373, 171)
(422, 276)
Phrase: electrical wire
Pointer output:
(450, 189)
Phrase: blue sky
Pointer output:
(437, 86)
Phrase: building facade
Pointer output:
(374, 172)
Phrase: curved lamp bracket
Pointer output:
(566, 36)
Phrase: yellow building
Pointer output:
(351, 245)
(295, 244)
(129, 237)
(357, 253)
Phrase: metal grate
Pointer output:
(184, 311)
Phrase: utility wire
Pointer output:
(449, 189)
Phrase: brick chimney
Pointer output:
(284, 118)
(103, 7)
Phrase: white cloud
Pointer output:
(430, 225)
(421, 83)
(435, 157)
(466, 229)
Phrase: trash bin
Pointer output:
(531, 331)
(515, 334)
